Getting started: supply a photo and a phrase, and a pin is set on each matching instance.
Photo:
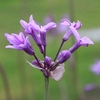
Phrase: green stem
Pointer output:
(6, 83)
(59, 50)
(46, 88)
(99, 81)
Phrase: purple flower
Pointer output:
(55, 74)
(29, 26)
(43, 30)
(60, 28)
(29, 29)
(48, 61)
(19, 42)
(73, 30)
(67, 23)
(85, 41)
(77, 25)
(33, 29)
(63, 56)
(89, 87)
(49, 68)
(48, 18)
(95, 68)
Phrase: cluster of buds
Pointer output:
(49, 68)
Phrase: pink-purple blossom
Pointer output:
(63, 56)
(89, 87)
(19, 42)
(49, 68)
(84, 41)
(77, 25)
(55, 74)
(34, 29)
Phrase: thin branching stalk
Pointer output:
(37, 59)
(58, 50)
(44, 56)
(54, 67)
(44, 51)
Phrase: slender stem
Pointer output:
(54, 67)
(37, 59)
(46, 88)
(58, 50)
(44, 56)
(41, 49)
(44, 51)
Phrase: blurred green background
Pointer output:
(27, 83)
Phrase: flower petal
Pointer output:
(24, 23)
(26, 26)
(58, 72)
(75, 33)
(13, 47)
(65, 22)
(31, 19)
(49, 25)
(21, 37)
(12, 39)
(33, 65)
(85, 41)
(34, 26)
(78, 25)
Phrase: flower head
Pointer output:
(48, 18)
(19, 42)
(77, 25)
(34, 29)
(49, 68)
(55, 74)
(84, 41)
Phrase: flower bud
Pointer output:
(47, 61)
(63, 56)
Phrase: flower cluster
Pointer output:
(49, 68)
